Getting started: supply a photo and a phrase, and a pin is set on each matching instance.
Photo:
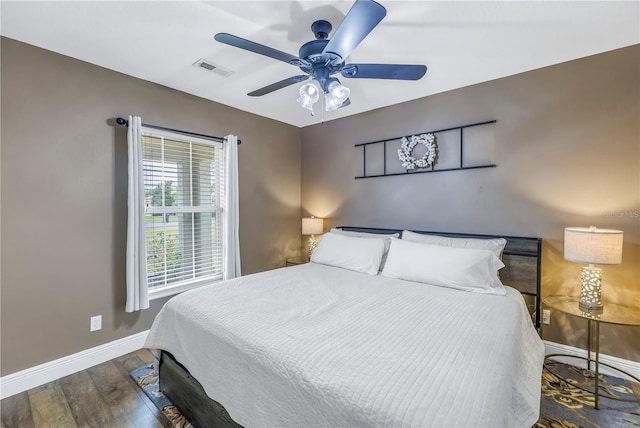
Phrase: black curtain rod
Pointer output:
(122, 121)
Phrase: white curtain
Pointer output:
(137, 293)
(231, 236)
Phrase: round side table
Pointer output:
(611, 314)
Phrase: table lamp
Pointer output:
(312, 226)
(595, 247)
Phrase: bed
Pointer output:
(317, 345)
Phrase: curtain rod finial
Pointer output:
(121, 121)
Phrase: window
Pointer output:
(184, 189)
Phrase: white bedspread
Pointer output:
(317, 346)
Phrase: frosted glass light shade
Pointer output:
(309, 95)
(593, 246)
(312, 226)
(335, 96)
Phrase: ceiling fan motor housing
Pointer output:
(312, 51)
(319, 65)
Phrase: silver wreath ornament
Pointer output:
(408, 144)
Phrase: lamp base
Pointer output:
(313, 243)
(591, 289)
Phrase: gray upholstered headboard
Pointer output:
(522, 258)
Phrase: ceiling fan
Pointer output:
(320, 59)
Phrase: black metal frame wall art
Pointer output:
(431, 167)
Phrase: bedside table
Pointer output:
(293, 261)
(611, 314)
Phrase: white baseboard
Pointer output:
(35, 376)
(631, 367)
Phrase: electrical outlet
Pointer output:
(96, 323)
(546, 316)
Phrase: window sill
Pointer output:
(179, 288)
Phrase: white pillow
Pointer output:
(495, 245)
(385, 237)
(461, 268)
(359, 254)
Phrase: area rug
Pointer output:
(147, 380)
(562, 404)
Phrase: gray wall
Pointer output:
(566, 146)
(64, 167)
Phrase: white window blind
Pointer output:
(184, 190)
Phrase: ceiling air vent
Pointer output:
(212, 67)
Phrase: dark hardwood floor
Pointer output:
(101, 396)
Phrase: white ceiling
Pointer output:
(462, 43)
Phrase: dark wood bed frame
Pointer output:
(522, 259)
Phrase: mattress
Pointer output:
(319, 346)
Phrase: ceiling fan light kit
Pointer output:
(320, 59)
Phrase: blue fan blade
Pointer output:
(250, 46)
(384, 71)
(361, 19)
(278, 85)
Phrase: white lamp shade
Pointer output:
(312, 226)
(593, 246)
